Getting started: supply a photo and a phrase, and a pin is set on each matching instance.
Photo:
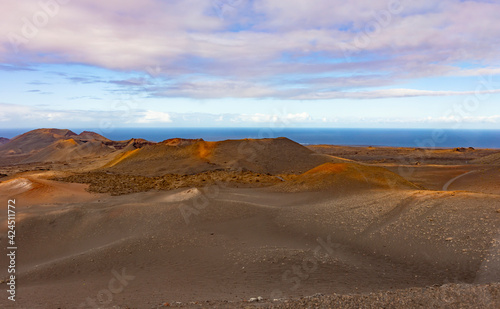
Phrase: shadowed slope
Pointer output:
(275, 156)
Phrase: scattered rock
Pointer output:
(255, 299)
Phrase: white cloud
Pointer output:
(14, 116)
(485, 72)
(215, 89)
(18, 115)
(255, 118)
(299, 117)
(391, 93)
(468, 119)
(154, 117)
(273, 118)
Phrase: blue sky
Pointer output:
(243, 63)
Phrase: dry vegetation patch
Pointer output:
(118, 184)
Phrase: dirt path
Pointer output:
(446, 185)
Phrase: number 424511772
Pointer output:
(11, 223)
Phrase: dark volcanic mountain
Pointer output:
(180, 156)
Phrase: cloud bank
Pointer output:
(296, 49)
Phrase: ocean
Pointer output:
(311, 136)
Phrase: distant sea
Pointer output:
(311, 136)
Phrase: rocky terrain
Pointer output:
(249, 224)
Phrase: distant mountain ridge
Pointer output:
(49, 144)
(171, 156)
(38, 139)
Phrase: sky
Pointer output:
(250, 63)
